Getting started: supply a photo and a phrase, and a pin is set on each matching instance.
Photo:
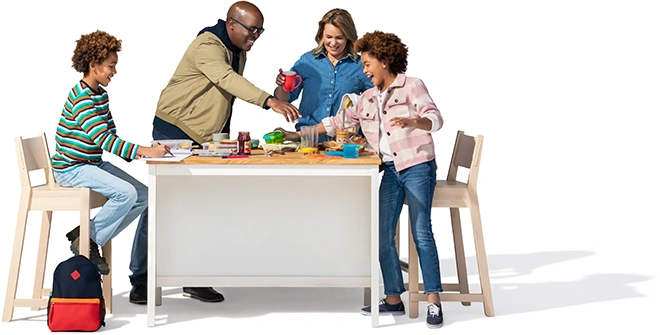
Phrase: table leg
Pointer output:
(151, 258)
(375, 273)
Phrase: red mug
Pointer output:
(291, 81)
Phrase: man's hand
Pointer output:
(288, 135)
(290, 112)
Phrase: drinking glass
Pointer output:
(309, 140)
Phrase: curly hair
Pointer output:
(93, 48)
(385, 47)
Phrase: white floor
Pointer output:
(602, 287)
(334, 311)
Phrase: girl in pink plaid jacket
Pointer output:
(397, 117)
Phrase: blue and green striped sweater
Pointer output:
(86, 129)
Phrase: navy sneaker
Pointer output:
(385, 308)
(434, 317)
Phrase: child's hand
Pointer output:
(158, 151)
(403, 122)
(289, 135)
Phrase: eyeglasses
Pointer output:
(253, 31)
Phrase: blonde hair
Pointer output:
(343, 20)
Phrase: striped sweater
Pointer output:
(85, 130)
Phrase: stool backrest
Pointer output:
(33, 154)
(467, 154)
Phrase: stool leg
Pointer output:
(459, 252)
(413, 275)
(83, 240)
(17, 253)
(42, 256)
(107, 279)
(482, 263)
(367, 296)
(159, 296)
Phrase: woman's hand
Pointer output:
(280, 93)
(279, 80)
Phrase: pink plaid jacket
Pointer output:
(406, 97)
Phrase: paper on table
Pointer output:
(177, 158)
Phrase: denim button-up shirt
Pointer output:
(323, 85)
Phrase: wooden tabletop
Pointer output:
(288, 158)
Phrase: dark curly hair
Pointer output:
(93, 48)
(385, 47)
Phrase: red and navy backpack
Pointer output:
(76, 302)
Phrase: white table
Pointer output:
(285, 221)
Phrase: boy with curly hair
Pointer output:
(397, 117)
(85, 130)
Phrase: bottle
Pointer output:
(244, 143)
(248, 143)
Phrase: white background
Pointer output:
(563, 91)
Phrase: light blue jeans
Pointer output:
(417, 185)
(127, 199)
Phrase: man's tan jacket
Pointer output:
(198, 97)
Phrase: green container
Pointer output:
(274, 137)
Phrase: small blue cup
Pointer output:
(351, 150)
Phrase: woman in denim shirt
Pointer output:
(328, 72)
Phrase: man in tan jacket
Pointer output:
(197, 102)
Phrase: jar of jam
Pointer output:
(243, 144)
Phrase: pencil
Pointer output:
(167, 149)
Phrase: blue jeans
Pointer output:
(127, 199)
(417, 185)
(180, 135)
